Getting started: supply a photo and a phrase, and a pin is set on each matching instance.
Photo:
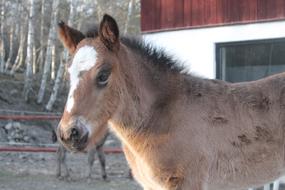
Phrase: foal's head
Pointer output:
(94, 83)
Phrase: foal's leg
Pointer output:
(91, 158)
(130, 176)
(102, 160)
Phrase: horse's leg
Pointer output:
(102, 160)
(63, 160)
(91, 158)
(58, 161)
(130, 176)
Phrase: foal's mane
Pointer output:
(156, 56)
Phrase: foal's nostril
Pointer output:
(74, 138)
(74, 135)
(61, 137)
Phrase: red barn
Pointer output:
(234, 40)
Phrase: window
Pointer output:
(250, 60)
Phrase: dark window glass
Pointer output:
(251, 60)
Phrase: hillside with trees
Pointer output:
(33, 62)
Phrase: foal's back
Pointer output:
(236, 129)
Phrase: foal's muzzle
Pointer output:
(74, 139)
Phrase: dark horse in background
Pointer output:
(179, 131)
(61, 158)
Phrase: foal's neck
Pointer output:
(145, 90)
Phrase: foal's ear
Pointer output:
(109, 33)
(70, 37)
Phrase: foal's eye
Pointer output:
(102, 78)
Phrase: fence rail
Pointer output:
(29, 117)
(26, 112)
(49, 149)
(26, 147)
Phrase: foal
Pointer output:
(179, 131)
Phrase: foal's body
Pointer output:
(211, 134)
(178, 131)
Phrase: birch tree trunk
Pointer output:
(71, 20)
(37, 39)
(34, 60)
(15, 36)
(29, 58)
(48, 57)
(2, 33)
(130, 11)
(20, 55)
(58, 81)
(64, 57)
(43, 42)
(11, 47)
(80, 16)
(53, 60)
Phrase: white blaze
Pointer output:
(83, 60)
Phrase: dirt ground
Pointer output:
(22, 170)
(26, 171)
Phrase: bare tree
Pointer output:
(130, 11)
(48, 57)
(29, 58)
(2, 33)
(36, 38)
(43, 29)
(73, 5)
(64, 57)
(58, 81)
(28, 43)
(11, 47)
(53, 62)
(19, 61)
(14, 35)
